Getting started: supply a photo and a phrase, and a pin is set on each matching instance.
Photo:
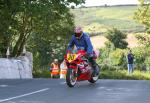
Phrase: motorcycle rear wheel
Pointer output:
(71, 78)
(94, 79)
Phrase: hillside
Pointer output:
(99, 19)
(99, 41)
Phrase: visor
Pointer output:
(78, 35)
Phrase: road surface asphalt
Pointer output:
(56, 91)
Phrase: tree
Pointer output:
(45, 49)
(21, 19)
(117, 38)
(142, 15)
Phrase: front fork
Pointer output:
(75, 70)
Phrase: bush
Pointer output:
(147, 63)
(107, 67)
(41, 73)
(140, 55)
(117, 57)
(112, 59)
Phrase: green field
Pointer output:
(99, 19)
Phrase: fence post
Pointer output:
(24, 50)
(8, 53)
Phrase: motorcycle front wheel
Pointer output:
(71, 78)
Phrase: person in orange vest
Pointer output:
(55, 68)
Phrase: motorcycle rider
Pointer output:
(82, 40)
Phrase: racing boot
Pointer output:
(94, 66)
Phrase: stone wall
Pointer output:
(16, 68)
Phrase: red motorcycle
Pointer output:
(79, 68)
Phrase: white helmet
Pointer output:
(55, 60)
(78, 32)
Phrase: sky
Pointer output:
(109, 2)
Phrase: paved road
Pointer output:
(56, 91)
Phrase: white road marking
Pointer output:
(3, 85)
(109, 89)
(101, 87)
(27, 94)
(115, 93)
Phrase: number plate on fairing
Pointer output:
(71, 57)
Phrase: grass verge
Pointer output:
(105, 74)
(123, 74)
(41, 74)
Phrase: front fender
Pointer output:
(72, 66)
